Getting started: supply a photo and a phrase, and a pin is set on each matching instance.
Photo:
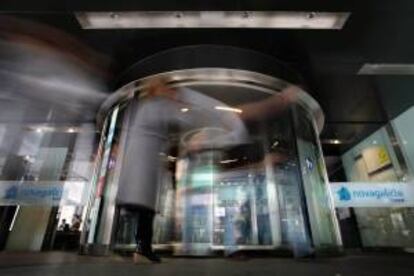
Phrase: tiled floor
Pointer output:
(63, 264)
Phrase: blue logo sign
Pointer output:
(384, 194)
(11, 193)
(50, 193)
(392, 195)
(33, 193)
(372, 194)
(344, 194)
(43, 193)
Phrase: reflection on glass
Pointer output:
(233, 176)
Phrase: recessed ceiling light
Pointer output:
(386, 69)
(332, 141)
(212, 19)
(227, 108)
(228, 161)
(275, 144)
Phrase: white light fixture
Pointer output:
(386, 69)
(39, 130)
(212, 19)
(229, 161)
(71, 130)
(227, 108)
(184, 109)
(332, 141)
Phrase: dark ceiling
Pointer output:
(376, 32)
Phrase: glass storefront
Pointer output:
(45, 172)
(315, 182)
(383, 157)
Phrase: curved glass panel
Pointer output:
(222, 165)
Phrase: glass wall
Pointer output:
(318, 199)
(405, 134)
(44, 174)
(240, 168)
(377, 159)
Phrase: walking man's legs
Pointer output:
(143, 235)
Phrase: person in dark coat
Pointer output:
(160, 111)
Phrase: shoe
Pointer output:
(152, 257)
(147, 257)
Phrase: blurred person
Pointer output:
(64, 226)
(76, 223)
(238, 218)
(158, 113)
(272, 106)
(237, 225)
(243, 221)
(44, 68)
(147, 136)
(46, 77)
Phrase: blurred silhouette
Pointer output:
(48, 74)
(236, 218)
(76, 223)
(203, 124)
(48, 80)
(158, 114)
(64, 226)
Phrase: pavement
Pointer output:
(62, 264)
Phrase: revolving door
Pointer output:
(241, 167)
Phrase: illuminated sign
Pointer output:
(53, 193)
(372, 194)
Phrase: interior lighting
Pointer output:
(275, 144)
(229, 161)
(212, 19)
(227, 108)
(332, 141)
(386, 69)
